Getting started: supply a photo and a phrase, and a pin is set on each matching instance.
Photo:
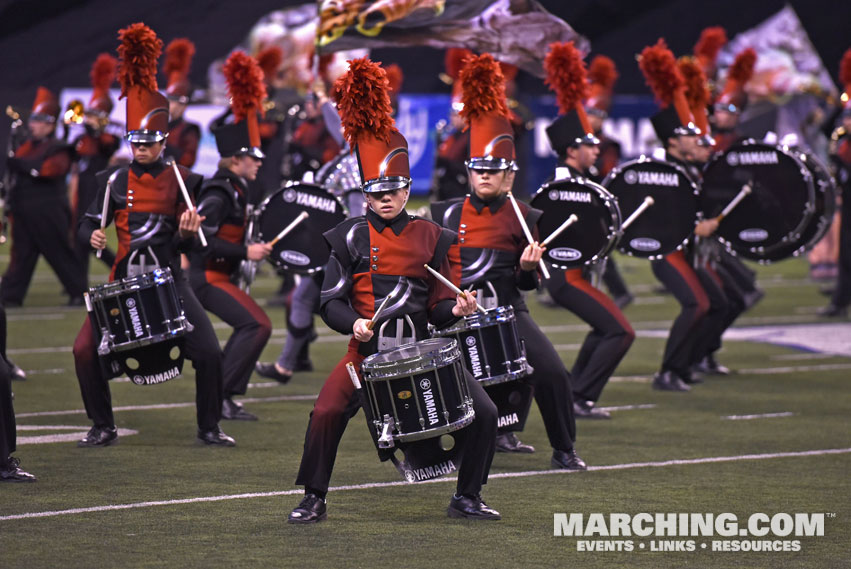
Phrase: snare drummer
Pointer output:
(573, 140)
(223, 202)
(152, 223)
(492, 253)
(375, 256)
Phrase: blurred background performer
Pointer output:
(369, 256)
(183, 136)
(576, 145)
(450, 179)
(10, 470)
(38, 207)
(94, 148)
(223, 202)
(142, 196)
(492, 251)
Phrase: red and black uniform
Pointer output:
(490, 244)
(450, 171)
(370, 258)
(842, 160)
(40, 216)
(7, 412)
(145, 202)
(223, 202)
(93, 151)
(183, 140)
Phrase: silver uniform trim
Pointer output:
(152, 225)
(400, 300)
(495, 141)
(382, 168)
(448, 213)
(339, 284)
(481, 266)
(350, 238)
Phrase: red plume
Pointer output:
(395, 78)
(245, 84)
(454, 61)
(482, 88)
(508, 71)
(103, 72)
(566, 75)
(270, 60)
(178, 56)
(697, 93)
(707, 47)
(603, 72)
(138, 53)
(743, 66)
(660, 71)
(363, 102)
(845, 70)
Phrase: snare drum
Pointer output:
(417, 391)
(596, 230)
(667, 225)
(303, 250)
(493, 352)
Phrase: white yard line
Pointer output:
(629, 407)
(524, 474)
(66, 438)
(760, 416)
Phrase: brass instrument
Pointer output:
(247, 271)
(74, 112)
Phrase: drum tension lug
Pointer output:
(385, 439)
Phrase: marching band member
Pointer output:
(370, 255)
(577, 147)
(223, 202)
(152, 223)
(492, 252)
(183, 136)
(94, 148)
(10, 469)
(39, 210)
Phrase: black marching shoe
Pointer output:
(508, 442)
(17, 373)
(268, 370)
(303, 365)
(310, 510)
(669, 381)
(710, 365)
(567, 460)
(833, 311)
(471, 508)
(692, 377)
(11, 472)
(99, 437)
(584, 409)
(233, 411)
(623, 300)
(216, 437)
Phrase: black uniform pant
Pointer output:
(7, 413)
(41, 229)
(681, 280)
(613, 280)
(842, 293)
(338, 402)
(201, 347)
(552, 384)
(251, 327)
(724, 292)
(300, 331)
(610, 337)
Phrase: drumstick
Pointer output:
(353, 374)
(746, 189)
(452, 287)
(185, 192)
(648, 201)
(570, 221)
(103, 213)
(528, 233)
(301, 217)
(371, 324)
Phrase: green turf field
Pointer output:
(193, 506)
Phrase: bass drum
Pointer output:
(596, 230)
(769, 224)
(303, 250)
(667, 225)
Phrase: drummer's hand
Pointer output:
(465, 304)
(98, 239)
(189, 223)
(706, 227)
(360, 330)
(258, 251)
(531, 255)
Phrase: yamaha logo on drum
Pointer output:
(569, 196)
(135, 320)
(130, 302)
(565, 254)
(630, 176)
(753, 235)
(156, 378)
(553, 195)
(425, 384)
(751, 158)
(470, 341)
(473, 356)
(645, 244)
(289, 196)
(295, 258)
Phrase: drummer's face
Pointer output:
(146, 152)
(487, 184)
(585, 155)
(387, 204)
(247, 166)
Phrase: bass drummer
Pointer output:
(573, 140)
(493, 255)
(223, 203)
(152, 224)
(373, 257)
